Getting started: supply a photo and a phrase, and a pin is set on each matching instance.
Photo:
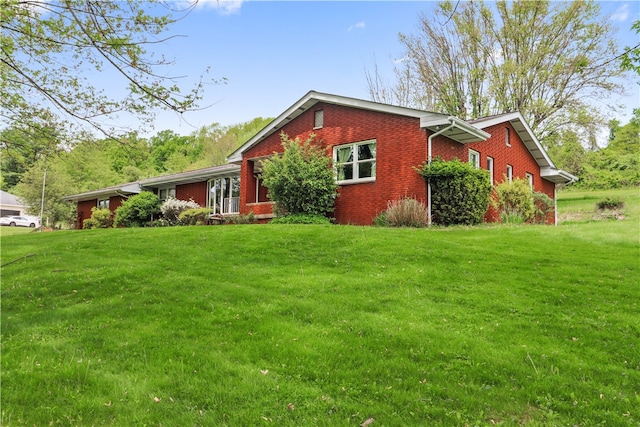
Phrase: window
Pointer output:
(224, 195)
(509, 173)
(530, 179)
(318, 119)
(166, 193)
(490, 168)
(507, 137)
(474, 158)
(103, 203)
(355, 162)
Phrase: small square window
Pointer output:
(318, 119)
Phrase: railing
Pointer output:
(231, 205)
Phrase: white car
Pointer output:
(21, 221)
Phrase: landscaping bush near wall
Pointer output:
(172, 208)
(195, 216)
(137, 210)
(100, 218)
(460, 193)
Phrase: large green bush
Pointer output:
(100, 218)
(300, 181)
(137, 210)
(460, 193)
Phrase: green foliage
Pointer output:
(405, 212)
(100, 218)
(460, 193)
(249, 218)
(515, 201)
(50, 48)
(301, 180)
(195, 216)
(301, 218)
(630, 59)
(544, 206)
(137, 210)
(610, 203)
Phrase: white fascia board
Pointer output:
(130, 188)
(558, 176)
(526, 134)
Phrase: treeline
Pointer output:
(91, 164)
(615, 166)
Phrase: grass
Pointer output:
(324, 325)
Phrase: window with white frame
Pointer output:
(474, 158)
(490, 168)
(530, 179)
(507, 137)
(355, 162)
(103, 203)
(318, 119)
(224, 195)
(509, 173)
(167, 193)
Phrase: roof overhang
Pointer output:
(557, 176)
(117, 190)
(454, 128)
(312, 98)
(191, 176)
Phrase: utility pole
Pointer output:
(44, 183)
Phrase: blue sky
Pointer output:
(273, 52)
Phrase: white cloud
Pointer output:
(621, 14)
(359, 26)
(224, 7)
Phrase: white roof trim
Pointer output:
(461, 131)
(312, 98)
(524, 132)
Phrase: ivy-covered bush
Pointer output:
(137, 210)
(100, 218)
(405, 212)
(172, 208)
(514, 201)
(195, 216)
(460, 193)
(301, 180)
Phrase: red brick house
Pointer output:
(375, 148)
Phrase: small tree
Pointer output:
(460, 193)
(301, 180)
(136, 211)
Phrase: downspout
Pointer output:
(429, 143)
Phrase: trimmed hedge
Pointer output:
(460, 193)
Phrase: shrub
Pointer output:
(405, 212)
(100, 218)
(249, 218)
(610, 203)
(460, 193)
(543, 206)
(301, 218)
(195, 216)
(172, 208)
(514, 201)
(301, 180)
(137, 210)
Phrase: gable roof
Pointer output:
(548, 169)
(312, 98)
(8, 199)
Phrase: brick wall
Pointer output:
(196, 191)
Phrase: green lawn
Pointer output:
(325, 325)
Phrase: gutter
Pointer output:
(429, 155)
